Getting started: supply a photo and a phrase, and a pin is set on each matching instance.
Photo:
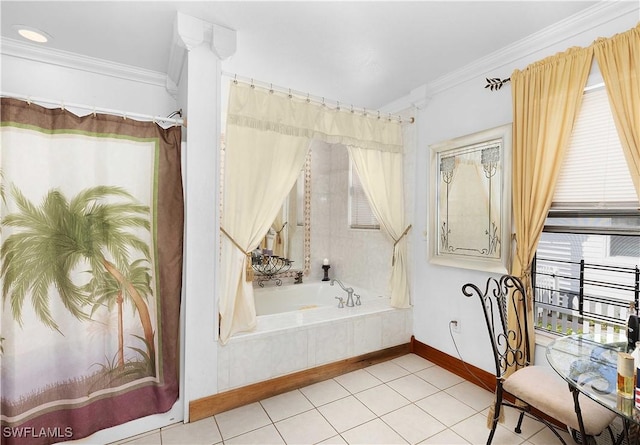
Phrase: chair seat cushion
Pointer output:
(542, 388)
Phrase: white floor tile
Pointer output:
(476, 397)
(152, 438)
(306, 428)
(386, 371)
(474, 429)
(405, 400)
(335, 440)
(545, 436)
(373, 432)
(241, 420)
(446, 437)
(529, 426)
(324, 392)
(202, 432)
(412, 387)
(439, 377)
(412, 423)
(346, 413)
(267, 435)
(357, 381)
(412, 362)
(382, 399)
(286, 405)
(445, 408)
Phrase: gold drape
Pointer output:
(619, 62)
(546, 99)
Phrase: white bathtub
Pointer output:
(301, 326)
(279, 299)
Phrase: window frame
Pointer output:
(358, 200)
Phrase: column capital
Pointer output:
(190, 32)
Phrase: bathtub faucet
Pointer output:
(348, 290)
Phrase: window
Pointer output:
(586, 266)
(360, 214)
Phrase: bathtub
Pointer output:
(301, 326)
(276, 300)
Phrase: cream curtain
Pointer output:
(546, 98)
(382, 180)
(619, 61)
(267, 138)
(260, 169)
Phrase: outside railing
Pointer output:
(574, 297)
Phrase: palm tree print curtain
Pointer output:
(91, 220)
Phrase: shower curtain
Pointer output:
(91, 265)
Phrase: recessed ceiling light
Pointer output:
(32, 34)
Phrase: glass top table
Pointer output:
(589, 362)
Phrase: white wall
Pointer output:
(459, 105)
(115, 87)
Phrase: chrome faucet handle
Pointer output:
(340, 302)
(358, 303)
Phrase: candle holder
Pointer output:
(326, 268)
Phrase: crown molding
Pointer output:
(596, 15)
(22, 50)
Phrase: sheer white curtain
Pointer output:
(267, 138)
(262, 163)
(382, 180)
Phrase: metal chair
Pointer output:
(532, 386)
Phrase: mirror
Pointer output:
(290, 233)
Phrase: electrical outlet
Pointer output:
(455, 325)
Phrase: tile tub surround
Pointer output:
(294, 341)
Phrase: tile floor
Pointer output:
(408, 400)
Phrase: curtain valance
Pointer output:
(253, 107)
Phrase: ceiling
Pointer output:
(364, 53)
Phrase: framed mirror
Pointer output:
(470, 206)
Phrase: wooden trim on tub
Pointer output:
(473, 374)
(224, 401)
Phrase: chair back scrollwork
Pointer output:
(501, 297)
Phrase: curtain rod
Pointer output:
(317, 99)
(124, 114)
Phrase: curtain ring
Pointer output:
(252, 85)
(338, 106)
(378, 114)
(308, 100)
(62, 105)
(29, 100)
(290, 96)
(94, 111)
(271, 89)
(364, 111)
(351, 108)
(323, 104)
(235, 79)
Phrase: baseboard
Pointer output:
(224, 401)
(471, 373)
